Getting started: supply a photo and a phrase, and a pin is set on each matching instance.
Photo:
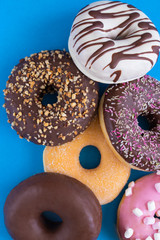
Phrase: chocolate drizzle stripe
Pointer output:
(112, 30)
(91, 31)
(129, 25)
(93, 27)
(81, 12)
(117, 57)
(117, 73)
(102, 53)
(82, 46)
(93, 24)
(102, 30)
(75, 25)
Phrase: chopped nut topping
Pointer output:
(39, 74)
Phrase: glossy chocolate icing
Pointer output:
(123, 104)
(56, 123)
(76, 205)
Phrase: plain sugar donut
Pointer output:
(139, 210)
(111, 42)
(106, 181)
(56, 123)
(120, 107)
(71, 200)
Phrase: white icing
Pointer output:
(83, 34)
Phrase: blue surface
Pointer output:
(27, 27)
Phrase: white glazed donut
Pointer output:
(112, 42)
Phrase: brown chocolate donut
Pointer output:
(76, 205)
(53, 124)
(120, 108)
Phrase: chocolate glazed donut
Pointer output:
(120, 108)
(57, 123)
(77, 206)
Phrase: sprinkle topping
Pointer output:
(57, 123)
(147, 210)
(128, 233)
(128, 192)
(123, 104)
(131, 184)
(156, 226)
(157, 187)
(137, 212)
(149, 220)
(151, 206)
(157, 236)
(149, 238)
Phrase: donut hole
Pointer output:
(49, 98)
(90, 157)
(51, 220)
(155, 216)
(144, 123)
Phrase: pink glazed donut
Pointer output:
(139, 210)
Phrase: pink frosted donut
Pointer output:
(139, 210)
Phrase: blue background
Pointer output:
(29, 26)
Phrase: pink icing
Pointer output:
(143, 192)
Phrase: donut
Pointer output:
(120, 108)
(106, 181)
(112, 42)
(139, 210)
(72, 201)
(57, 123)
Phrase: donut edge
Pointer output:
(105, 133)
(117, 217)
